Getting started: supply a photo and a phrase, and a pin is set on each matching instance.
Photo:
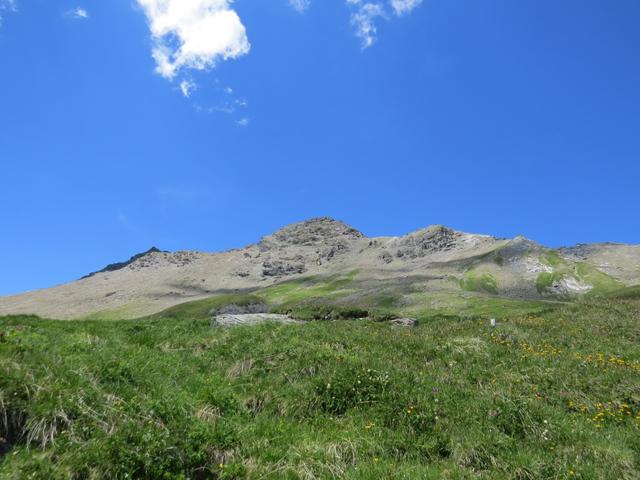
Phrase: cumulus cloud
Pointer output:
(193, 34)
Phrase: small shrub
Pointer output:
(349, 388)
(310, 311)
(512, 419)
(209, 451)
(223, 402)
(140, 451)
(116, 371)
(419, 418)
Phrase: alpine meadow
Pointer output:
(377, 240)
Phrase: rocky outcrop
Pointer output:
(112, 267)
(427, 241)
(281, 269)
(250, 319)
(404, 322)
(323, 232)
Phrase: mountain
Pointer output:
(432, 268)
(112, 267)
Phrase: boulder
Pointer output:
(229, 320)
(404, 322)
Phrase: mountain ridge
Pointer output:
(416, 268)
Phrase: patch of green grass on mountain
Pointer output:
(546, 279)
(626, 293)
(552, 259)
(474, 281)
(561, 269)
(201, 309)
(292, 294)
(304, 288)
(582, 271)
(472, 305)
(602, 283)
(383, 300)
(552, 394)
(125, 311)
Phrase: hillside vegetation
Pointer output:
(553, 394)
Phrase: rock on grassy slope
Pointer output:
(432, 268)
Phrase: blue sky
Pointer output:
(496, 117)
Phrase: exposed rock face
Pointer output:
(568, 286)
(315, 232)
(112, 267)
(432, 239)
(519, 247)
(329, 237)
(292, 250)
(436, 239)
(281, 269)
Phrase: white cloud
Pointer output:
(401, 7)
(7, 6)
(197, 34)
(300, 5)
(363, 20)
(78, 13)
(193, 34)
(366, 13)
(187, 87)
(243, 122)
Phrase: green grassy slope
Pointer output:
(628, 293)
(341, 297)
(202, 309)
(551, 395)
(582, 271)
(479, 282)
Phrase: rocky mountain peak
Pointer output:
(435, 238)
(321, 230)
(112, 267)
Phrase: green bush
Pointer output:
(350, 387)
